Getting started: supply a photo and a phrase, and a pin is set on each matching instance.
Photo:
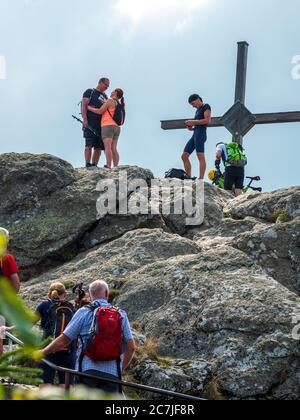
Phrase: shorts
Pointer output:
(111, 132)
(197, 142)
(234, 178)
(107, 387)
(94, 142)
(64, 360)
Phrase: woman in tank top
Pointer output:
(109, 128)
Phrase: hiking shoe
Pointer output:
(88, 165)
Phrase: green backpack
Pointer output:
(236, 155)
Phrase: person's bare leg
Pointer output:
(96, 156)
(88, 154)
(1, 348)
(187, 164)
(238, 192)
(108, 151)
(115, 153)
(202, 161)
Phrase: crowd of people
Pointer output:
(88, 335)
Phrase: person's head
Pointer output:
(57, 291)
(196, 101)
(99, 290)
(221, 143)
(4, 240)
(103, 84)
(118, 95)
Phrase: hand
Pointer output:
(217, 164)
(190, 123)
(85, 124)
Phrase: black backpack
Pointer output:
(60, 315)
(119, 115)
(178, 174)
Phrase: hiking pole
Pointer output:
(88, 128)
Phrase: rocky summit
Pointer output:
(214, 307)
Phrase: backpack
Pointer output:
(119, 115)
(236, 155)
(178, 174)
(106, 335)
(60, 315)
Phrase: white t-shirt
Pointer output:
(222, 149)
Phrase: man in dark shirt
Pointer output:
(197, 142)
(96, 98)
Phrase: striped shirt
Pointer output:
(80, 327)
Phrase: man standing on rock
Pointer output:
(9, 271)
(234, 158)
(197, 142)
(94, 324)
(95, 98)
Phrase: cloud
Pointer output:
(178, 13)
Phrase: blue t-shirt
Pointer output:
(80, 326)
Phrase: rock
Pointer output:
(50, 209)
(220, 307)
(113, 262)
(281, 204)
(223, 233)
(277, 249)
(183, 376)
(214, 296)
(213, 200)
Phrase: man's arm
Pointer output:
(205, 121)
(60, 344)
(85, 103)
(100, 111)
(15, 283)
(218, 155)
(129, 353)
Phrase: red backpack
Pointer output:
(106, 336)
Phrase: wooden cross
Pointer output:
(239, 120)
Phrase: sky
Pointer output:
(159, 52)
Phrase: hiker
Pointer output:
(96, 98)
(197, 142)
(55, 314)
(113, 116)
(234, 158)
(107, 341)
(8, 270)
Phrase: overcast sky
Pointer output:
(159, 51)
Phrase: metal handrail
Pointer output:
(70, 372)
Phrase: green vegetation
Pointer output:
(212, 391)
(281, 216)
(13, 365)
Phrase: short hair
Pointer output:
(194, 97)
(103, 80)
(98, 288)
